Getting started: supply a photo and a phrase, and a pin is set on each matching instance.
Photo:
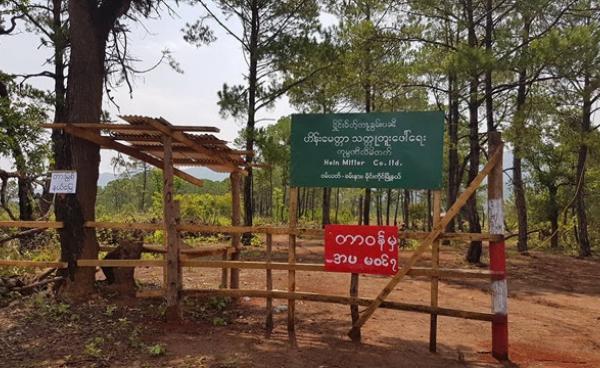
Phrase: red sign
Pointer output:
(361, 249)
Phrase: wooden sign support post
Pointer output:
(293, 220)
(435, 264)
(171, 215)
(269, 320)
(235, 221)
(498, 255)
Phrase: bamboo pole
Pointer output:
(293, 222)
(452, 212)
(269, 303)
(235, 179)
(435, 263)
(336, 299)
(170, 218)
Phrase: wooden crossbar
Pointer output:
(425, 244)
(105, 142)
(129, 127)
(414, 235)
(33, 224)
(337, 299)
(444, 273)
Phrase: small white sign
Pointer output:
(63, 182)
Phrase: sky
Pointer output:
(186, 99)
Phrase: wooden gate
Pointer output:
(174, 260)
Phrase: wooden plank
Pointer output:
(32, 224)
(236, 213)
(32, 264)
(253, 229)
(435, 265)
(164, 127)
(275, 230)
(205, 251)
(170, 218)
(450, 214)
(441, 273)
(109, 143)
(269, 302)
(129, 127)
(123, 225)
(293, 223)
(120, 263)
(152, 293)
(277, 294)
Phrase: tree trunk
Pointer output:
(453, 161)
(388, 206)
(326, 206)
(519, 125)
(360, 210)
(89, 28)
(553, 215)
(366, 208)
(337, 204)
(582, 224)
(396, 208)
(252, 87)
(474, 251)
(406, 207)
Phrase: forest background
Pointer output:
(530, 70)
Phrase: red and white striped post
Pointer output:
(497, 254)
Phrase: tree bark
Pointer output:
(252, 87)
(553, 214)
(326, 206)
(89, 29)
(366, 208)
(388, 206)
(406, 207)
(519, 124)
(583, 239)
(474, 251)
(453, 161)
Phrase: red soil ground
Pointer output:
(554, 316)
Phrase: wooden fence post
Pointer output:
(498, 254)
(435, 264)
(269, 321)
(235, 179)
(171, 217)
(293, 223)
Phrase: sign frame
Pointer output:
(368, 150)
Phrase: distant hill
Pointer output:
(199, 172)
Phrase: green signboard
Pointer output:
(373, 150)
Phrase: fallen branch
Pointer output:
(38, 284)
(45, 274)
(22, 234)
(517, 234)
